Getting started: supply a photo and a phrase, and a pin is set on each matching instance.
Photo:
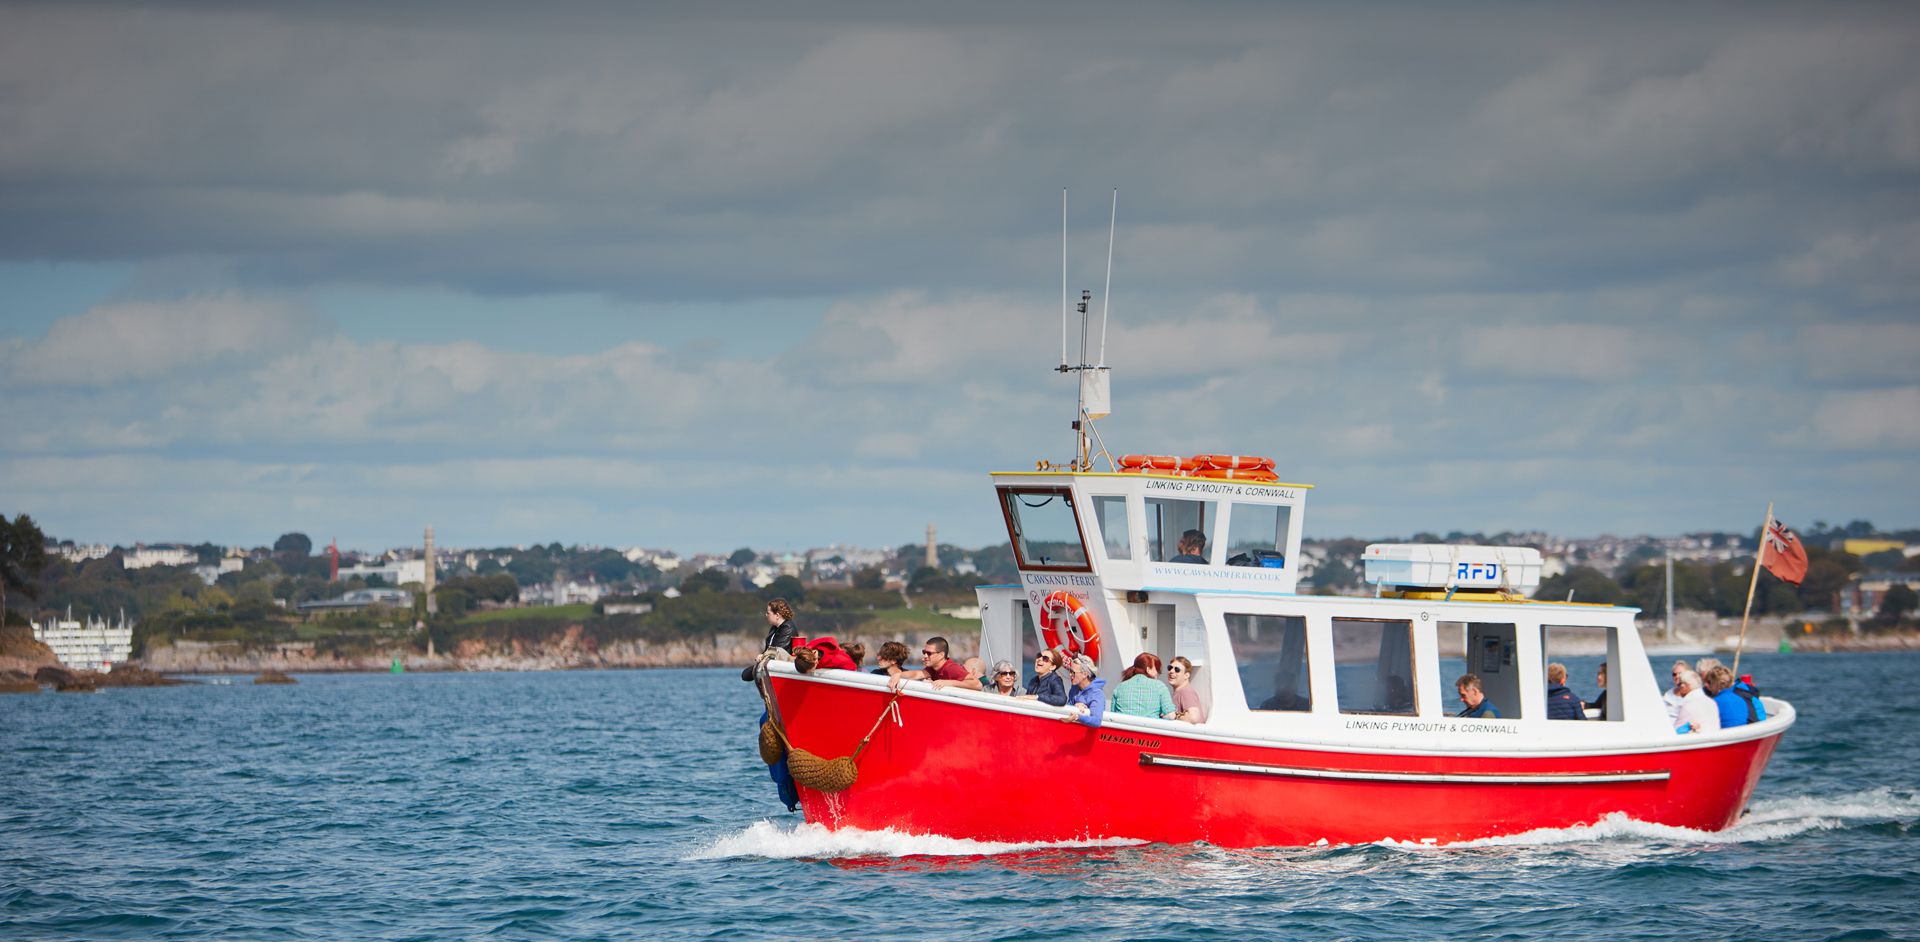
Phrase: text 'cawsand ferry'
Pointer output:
(1328, 718)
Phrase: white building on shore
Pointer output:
(159, 554)
(95, 645)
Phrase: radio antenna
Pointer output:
(1107, 294)
(1063, 278)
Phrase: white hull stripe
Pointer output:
(1485, 778)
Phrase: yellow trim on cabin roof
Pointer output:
(1117, 474)
(1483, 595)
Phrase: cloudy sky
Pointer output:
(707, 275)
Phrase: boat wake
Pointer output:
(773, 841)
(1767, 820)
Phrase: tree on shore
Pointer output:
(23, 554)
(293, 544)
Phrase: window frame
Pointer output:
(1016, 537)
(1413, 665)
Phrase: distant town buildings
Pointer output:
(159, 554)
(392, 572)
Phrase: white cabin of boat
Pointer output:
(1306, 668)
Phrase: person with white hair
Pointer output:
(1086, 694)
(1698, 712)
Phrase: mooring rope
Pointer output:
(823, 775)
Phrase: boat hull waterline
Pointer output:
(950, 766)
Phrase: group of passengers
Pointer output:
(1562, 703)
(1060, 679)
(1706, 698)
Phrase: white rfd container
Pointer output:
(1439, 566)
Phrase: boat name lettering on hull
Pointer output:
(1130, 740)
(1426, 726)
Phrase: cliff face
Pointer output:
(19, 652)
(563, 650)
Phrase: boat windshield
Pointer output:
(1044, 528)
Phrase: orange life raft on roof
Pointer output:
(1219, 467)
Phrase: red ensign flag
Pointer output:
(1784, 556)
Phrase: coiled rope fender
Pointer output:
(821, 775)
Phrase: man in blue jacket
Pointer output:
(1478, 707)
(1086, 694)
(1561, 703)
(1719, 684)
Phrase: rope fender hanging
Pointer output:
(821, 775)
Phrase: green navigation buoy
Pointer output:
(398, 667)
(1786, 647)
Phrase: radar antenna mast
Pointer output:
(1095, 398)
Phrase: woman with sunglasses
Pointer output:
(1005, 680)
(1186, 700)
(1048, 685)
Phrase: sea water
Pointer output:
(633, 805)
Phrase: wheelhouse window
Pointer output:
(1257, 535)
(1271, 653)
(1373, 666)
(1180, 531)
(1110, 514)
(1044, 528)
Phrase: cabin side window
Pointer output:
(1271, 652)
(1044, 528)
(1486, 651)
(1373, 666)
(1590, 656)
(1110, 515)
(1180, 531)
(1257, 535)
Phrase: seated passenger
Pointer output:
(1672, 697)
(858, 652)
(1478, 707)
(1599, 704)
(1048, 685)
(1719, 685)
(892, 659)
(1561, 703)
(943, 671)
(1193, 548)
(822, 652)
(1399, 695)
(1698, 713)
(1087, 696)
(1140, 692)
(1750, 695)
(1006, 680)
(1186, 700)
(976, 670)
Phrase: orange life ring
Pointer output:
(1154, 462)
(1234, 462)
(1060, 614)
(1229, 474)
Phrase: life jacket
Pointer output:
(1750, 695)
(832, 656)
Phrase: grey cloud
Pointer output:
(685, 153)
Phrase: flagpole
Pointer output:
(1759, 559)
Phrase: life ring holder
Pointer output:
(1060, 614)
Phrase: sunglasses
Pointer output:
(928, 653)
(1005, 674)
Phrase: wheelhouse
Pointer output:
(1273, 663)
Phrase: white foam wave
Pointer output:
(1767, 820)
(770, 840)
